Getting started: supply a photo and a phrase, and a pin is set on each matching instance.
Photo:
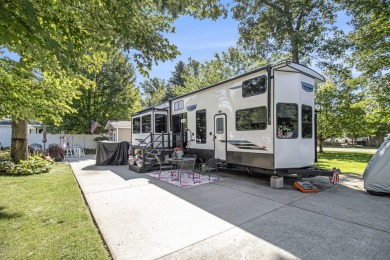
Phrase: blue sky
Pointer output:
(200, 39)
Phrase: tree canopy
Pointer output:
(66, 29)
(155, 91)
(224, 65)
(55, 40)
(114, 96)
(299, 27)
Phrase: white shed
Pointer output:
(119, 130)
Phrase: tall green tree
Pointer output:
(177, 77)
(328, 113)
(225, 65)
(370, 48)
(26, 94)
(154, 92)
(370, 35)
(114, 95)
(58, 34)
(295, 27)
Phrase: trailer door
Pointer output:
(220, 143)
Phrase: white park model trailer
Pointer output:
(263, 120)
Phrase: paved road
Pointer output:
(240, 217)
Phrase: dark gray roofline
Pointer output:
(220, 83)
(286, 63)
(149, 109)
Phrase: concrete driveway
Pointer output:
(240, 217)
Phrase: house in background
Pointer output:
(118, 130)
(6, 131)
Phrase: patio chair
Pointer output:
(35, 148)
(163, 165)
(211, 165)
(78, 151)
(187, 166)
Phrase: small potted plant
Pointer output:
(140, 163)
(131, 160)
(179, 152)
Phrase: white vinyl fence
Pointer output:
(83, 140)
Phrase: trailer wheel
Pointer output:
(376, 193)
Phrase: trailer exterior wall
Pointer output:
(136, 138)
(294, 152)
(226, 99)
(265, 146)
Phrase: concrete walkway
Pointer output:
(240, 217)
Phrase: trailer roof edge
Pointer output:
(151, 108)
(294, 66)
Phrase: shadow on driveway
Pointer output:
(238, 217)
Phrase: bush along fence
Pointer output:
(34, 164)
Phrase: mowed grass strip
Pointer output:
(347, 162)
(45, 217)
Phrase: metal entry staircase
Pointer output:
(152, 145)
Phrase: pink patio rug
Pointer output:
(186, 179)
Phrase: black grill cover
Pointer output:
(112, 153)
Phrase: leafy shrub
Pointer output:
(89, 151)
(34, 165)
(100, 138)
(5, 156)
(4, 165)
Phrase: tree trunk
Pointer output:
(294, 50)
(321, 146)
(19, 149)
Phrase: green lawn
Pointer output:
(347, 162)
(45, 217)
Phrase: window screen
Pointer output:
(136, 125)
(220, 126)
(147, 124)
(307, 122)
(160, 123)
(251, 119)
(254, 86)
(287, 120)
(201, 133)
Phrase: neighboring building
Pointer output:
(6, 131)
(119, 130)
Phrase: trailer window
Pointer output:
(160, 123)
(251, 119)
(307, 121)
(146, 124)
(287, 120)
(253, 87)
(179, 105)
(201, 133)
(136, 125)
(220, 127)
